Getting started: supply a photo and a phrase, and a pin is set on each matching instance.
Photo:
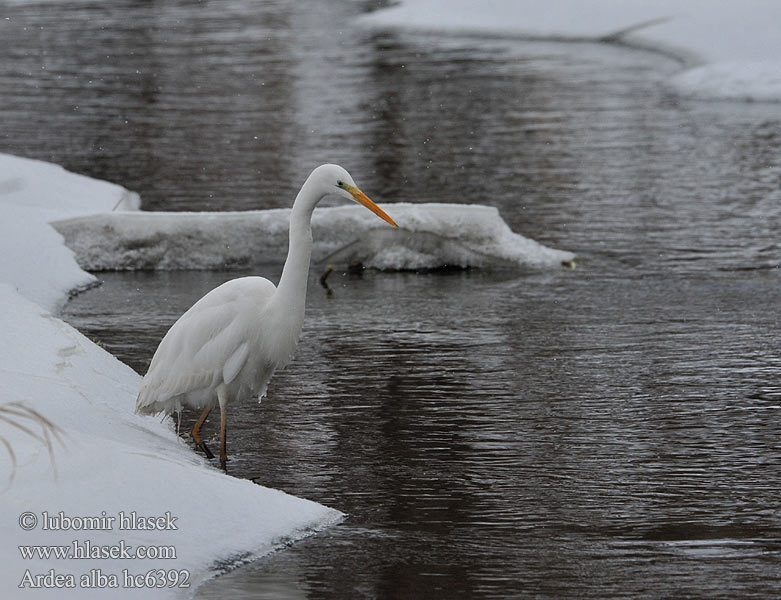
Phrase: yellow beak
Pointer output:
(362, 198)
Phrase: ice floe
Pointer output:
(429, 236)
(730, 48)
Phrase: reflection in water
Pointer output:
(191, 105)
(600, 433)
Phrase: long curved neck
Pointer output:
(291, 290)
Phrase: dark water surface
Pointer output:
(605, 432)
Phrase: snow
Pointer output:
(429, 236)
(731, 49)
(32, 193)
(106, 458)
(758, 81)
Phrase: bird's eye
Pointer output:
(340, 183)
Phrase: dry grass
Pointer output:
(34, 424)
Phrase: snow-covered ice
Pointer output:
(108, 459)
(33, 193)
(429, 236)
(731, 49)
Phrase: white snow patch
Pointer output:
(108, 459)
(736, 42)
(32, 193)
(429, 236)
(732, 80)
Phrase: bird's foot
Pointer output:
(323, 278)
(202, 445)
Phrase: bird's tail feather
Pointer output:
(151, 403)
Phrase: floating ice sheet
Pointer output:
(429, 236)
(730, 49)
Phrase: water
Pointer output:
(607, 432)
(492, 433)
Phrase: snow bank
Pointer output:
(105, 460)
(429, 236)
(32, 193)
(732, 47)
(734, 80)
(110, 460)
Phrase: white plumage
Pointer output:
(209, 346)
(227, 345)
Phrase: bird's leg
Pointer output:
(223, 433)
(197, 432)
(323, 281)
(223, 430)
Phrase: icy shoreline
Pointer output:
(730, 49)
(106, 460)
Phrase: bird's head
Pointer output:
(336, 180)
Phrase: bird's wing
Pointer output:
(208, 345)
(234, 364)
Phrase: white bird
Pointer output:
(227, 345)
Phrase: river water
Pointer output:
(610, 431)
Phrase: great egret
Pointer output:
(227, 345)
